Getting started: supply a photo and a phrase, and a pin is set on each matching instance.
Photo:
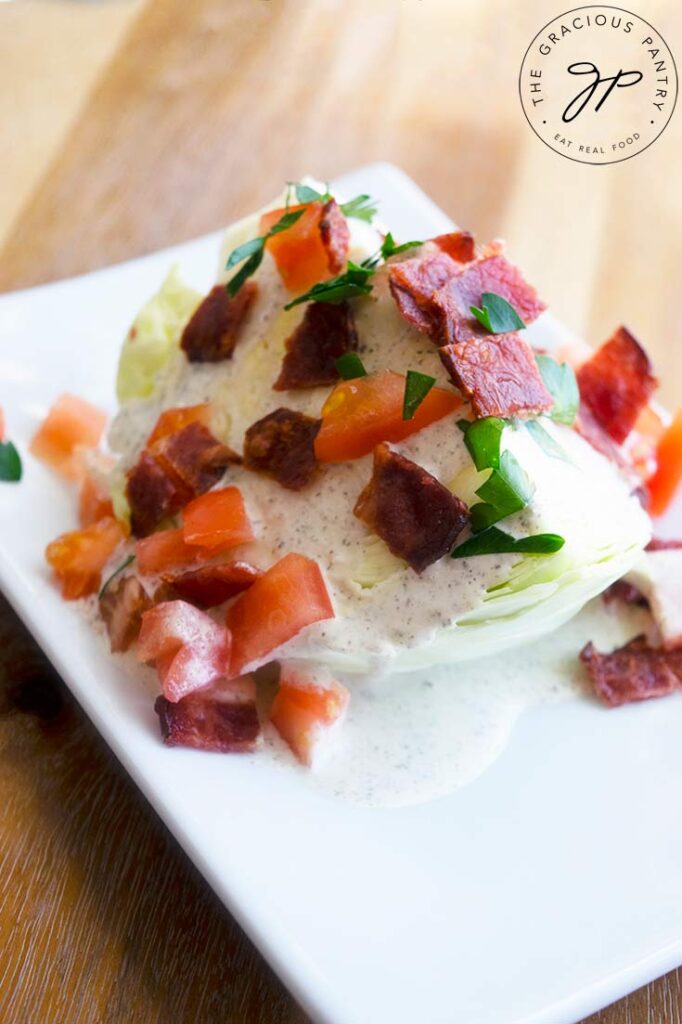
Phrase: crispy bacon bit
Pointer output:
(413, 284)
(222, 719)
(617, 383)
(326, 332)
(121, 607)
(194, 456)
(453, 301)
(152, 494)
(210, 585)
(281, 444)
(498, 374)
(415, 516)
(458, 244)
(212, 333)
(626, 592)
(633, 672)
(335, 235)
(663, 544)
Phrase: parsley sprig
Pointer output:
(361, 207)
(10, 463)
(417, 387)
(124, 565)
(350, 366)
(560, 381)
(253, 250)
(497, 542)
(497, 315)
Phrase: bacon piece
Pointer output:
(413, 284)
(415, 516)
(122, 606)
(617, 383)
(633, 672)
(498, 374)
(194, 456)
(326, 332)
(458, 244)
(222, 719)
(211, 584)
(335, 235)
(212, 332)
(626, 592)
(281, 444)
(152, 494)
(451, 304)
(663, 544)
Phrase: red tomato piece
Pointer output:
(189, 649)
(299, 252)
(164, 550)
(361, 413)
(71, 425)
(173, 420)
(667, 478)
(217, 521)
(307, 705)
(78, 557)
(291, 595)
(94, 502)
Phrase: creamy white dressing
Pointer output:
(417, 735)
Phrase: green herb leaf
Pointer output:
(483, 438)
(124, 565)
(389, 248)
(10, 463)
(507, 490)
(350, 366)
(306, 194)
(497, 315)
(545, 440)
(496, 542)
(417, 387)
(361, 208)
(349, 285)
(560, 381)
(252, 251)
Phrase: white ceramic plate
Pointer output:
(542, 891)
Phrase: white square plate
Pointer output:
(540, 892)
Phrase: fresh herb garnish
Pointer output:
(417, 387)
(496, 542)
(349, 285)
(497, 315)
(10, 463)
(350, 366)
(253, 250)
(543, 438)
(389, 248)
(306, 194)
(361, 208)
(507, 489)
(562, 385)
(124, 565)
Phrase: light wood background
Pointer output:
(129, 125)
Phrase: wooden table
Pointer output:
(127, 126)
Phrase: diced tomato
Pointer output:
(78, 557)
(190, 650)
(291, 595)
(164, 550)
(668, 475)
(217, 521)
(306, 707)
(94, 502)
(361, 413)
(299, 252)
(172, 420)
(70, 426)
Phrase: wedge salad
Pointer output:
(356, 455)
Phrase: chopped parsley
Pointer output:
(417, 387)
(389, 248)
(497, 315)
(124, 565)
(508, 488)
(350, 366)
(349, 285)
(560, 381)
(10, 463)
(253, 250)
(497, 542)
(545, 440)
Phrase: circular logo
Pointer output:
(598, 84)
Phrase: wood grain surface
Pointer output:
(177, 116)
